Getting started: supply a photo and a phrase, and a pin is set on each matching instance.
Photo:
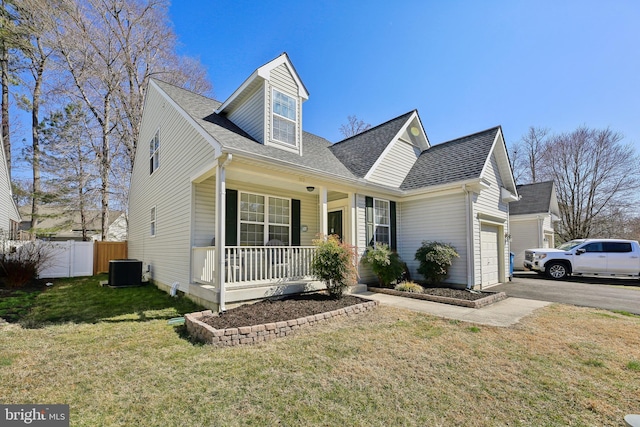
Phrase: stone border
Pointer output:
(479, 303)
(258, 333)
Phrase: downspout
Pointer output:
(540, 231)
(469, 233)
(221, 187)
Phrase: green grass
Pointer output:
(16, 306)
(83, 300)
(125, 365)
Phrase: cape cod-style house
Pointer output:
(227, 200)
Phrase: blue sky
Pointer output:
(464, 65)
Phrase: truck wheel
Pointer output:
(557, 270)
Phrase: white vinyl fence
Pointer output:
(69, 259)
(63, 259)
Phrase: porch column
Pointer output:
(324, 210)
(221, 198)
(352, 212)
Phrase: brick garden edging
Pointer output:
(482, 302)
(258, 333)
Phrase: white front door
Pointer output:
(489, 254)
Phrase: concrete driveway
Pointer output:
(606, 293)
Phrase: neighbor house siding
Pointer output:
(204, 212)
(489, 203)
(434, 219)
(525, 234)
(8, 209)
(395, 165)
(249, 115)
(169, 189)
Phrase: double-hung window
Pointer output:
(382, 221)
(264, 219)
(284, 118)
(153, 222)
(154, 153)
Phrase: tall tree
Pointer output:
(69, 163)
(526, 155)
(111, 48)
(38, 17)
(353, 127)
(595, 174)
(12, 36)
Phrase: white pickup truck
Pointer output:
(602, 257)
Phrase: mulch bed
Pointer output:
(460, 297)
(271, 311)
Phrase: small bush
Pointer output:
(409, 287)
(21, 262)
(435, 259)
(386, 264)
(333, 263)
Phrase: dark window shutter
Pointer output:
(231, 218)
(368, 219)
(392, 215)
(295, 222)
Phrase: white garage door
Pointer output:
(489, 254)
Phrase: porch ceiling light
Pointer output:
(310, 189)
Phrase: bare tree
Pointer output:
(526, 155)
(353, 127)
(111, 48)
(595, 174)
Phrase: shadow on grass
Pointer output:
(83, 300)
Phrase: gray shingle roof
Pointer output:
(535, 198)
(457, 160)
(361, 151)
(316, 153)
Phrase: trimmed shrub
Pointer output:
(333, 263)
(435, 259)
(409, 287)
(386, 264)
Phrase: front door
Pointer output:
(334, 220)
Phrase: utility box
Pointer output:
(125, 272)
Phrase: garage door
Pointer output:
(489, 255)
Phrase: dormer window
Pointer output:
(284, 118)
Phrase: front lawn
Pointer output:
(126, 366)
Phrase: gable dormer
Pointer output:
(268, 105)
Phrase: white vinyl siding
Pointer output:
(8, 209)
(528, 232)
(249, 115)
(489, 204)
(184, 150)
(395, 165)
(364, 271)
(204, 212)
(439, 219)
(282, 81)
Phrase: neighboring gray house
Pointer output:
(57, 223)
(226, 202)
(532, 219)
(9, 215)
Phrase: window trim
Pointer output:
(275, 115)
(153, 224)
(154, 156)
(266, 223)
(376, 224)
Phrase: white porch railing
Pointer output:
(254, 264)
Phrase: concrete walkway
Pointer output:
(502, 313)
